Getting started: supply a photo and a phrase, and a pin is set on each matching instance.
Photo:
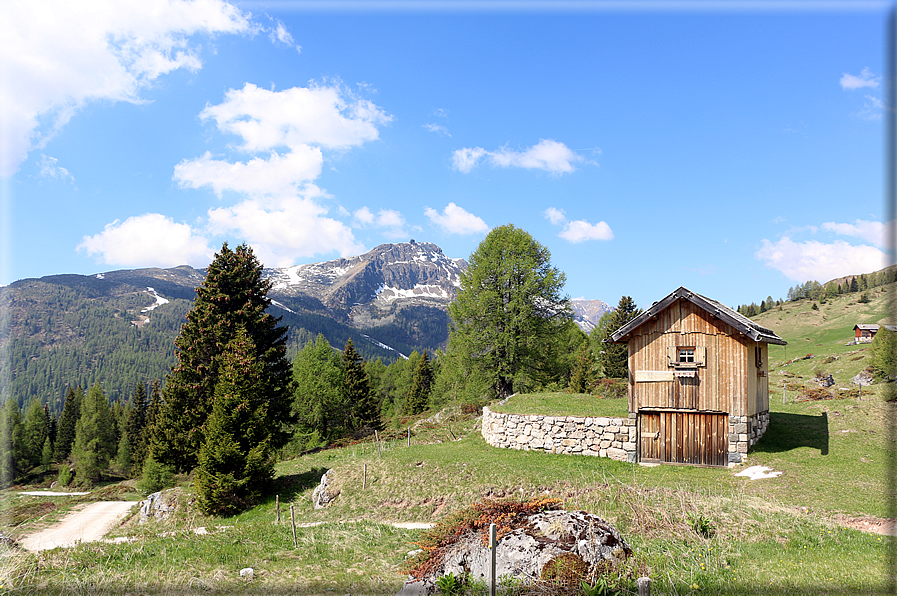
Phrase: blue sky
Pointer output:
(735, 149)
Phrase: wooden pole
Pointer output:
(293, 523)
(409, 436)
(277, 501)
(364, 478)
(493, 546)
(644, 586)
(377, 437)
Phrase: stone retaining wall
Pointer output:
(615, 438)
(744, 432)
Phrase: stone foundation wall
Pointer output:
(744, 432)
(615, 438)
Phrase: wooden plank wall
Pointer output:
(722, 385)
(684, 437)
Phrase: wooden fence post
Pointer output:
(644, 586)
(493, 546)
(277, 501)
(377, 437)
(293, 523)
(409, 436)
(364, 478)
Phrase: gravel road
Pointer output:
(87, 525)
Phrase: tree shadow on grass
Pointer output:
(790, 431)
(290, 485)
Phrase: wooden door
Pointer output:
(698, 438)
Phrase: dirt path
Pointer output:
(87, 525)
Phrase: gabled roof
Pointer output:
(717, 309)
(863, 327)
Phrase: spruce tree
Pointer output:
(233, 295)
(582, 377)
(236, 460)
(614, 357)
(34, 433)
(364, 411)
(421, 386)
(65, 433)
(10, 442)
(135, 425)
(95, 444)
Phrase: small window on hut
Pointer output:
(686, 356)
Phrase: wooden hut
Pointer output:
(698, 380)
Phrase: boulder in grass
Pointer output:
(322, 497)
(534, 549)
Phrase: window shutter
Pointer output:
(672, 355)
(700, 355)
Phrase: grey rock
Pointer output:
(322, 497)
(523, 553)
(158, 505)
(863, 379)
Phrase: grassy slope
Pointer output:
(773, 536)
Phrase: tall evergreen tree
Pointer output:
(135, 425)
(236, 457)
(362, 401)
(421, 386)
(614, 357)
(508, 308)
(233, 295)
(582, 375)
(65, 433)
(95, 443)
(10, 442)
(34, 433)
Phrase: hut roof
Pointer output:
(717, 309)
(864, 327)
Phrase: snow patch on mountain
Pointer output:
(159, 300)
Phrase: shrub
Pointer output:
(65, 475)
(156, 476)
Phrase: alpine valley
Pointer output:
(118, 327)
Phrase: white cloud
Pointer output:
(60, 55)
(872, 108)
(464, 160)
(555, 216)
(284, 230)
(813, 260)
(391, 222)
(581, 230)
(326, 116)
(149, 240)
(50, 168)
(870, 231)
(279, 34)
(437, 128)
(866, 79)
(547, 155)
(456, 220)
(275, 175)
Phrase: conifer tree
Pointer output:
(508, 308)
(34, 433)
(10, 442)
(235, 460)
(233, 295)
(65, 433)
(95, 443)
(135, 425)
(614, 357)
(421, 386)
(582, 377)
(362, 402)
(318, 402)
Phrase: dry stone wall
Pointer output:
(744, 432)
(615, 438)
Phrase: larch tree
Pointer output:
(318, 403)
(10, 442)
(236, 458)
(508, 309)
(233, 295)
(35, 433)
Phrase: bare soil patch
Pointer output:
(875, 525)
